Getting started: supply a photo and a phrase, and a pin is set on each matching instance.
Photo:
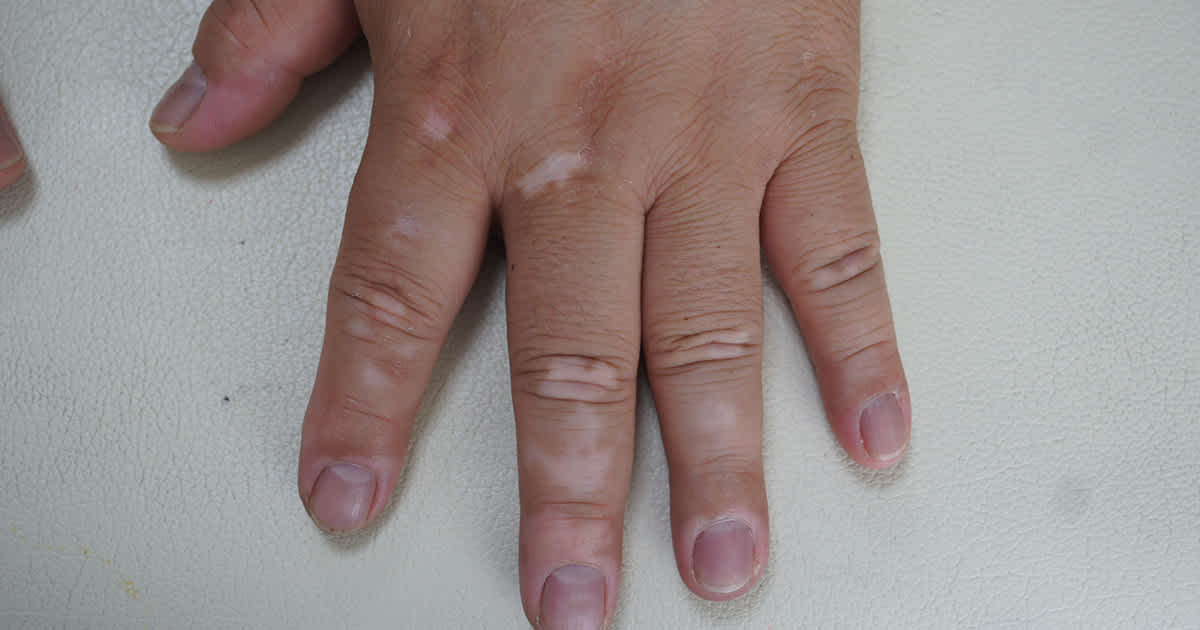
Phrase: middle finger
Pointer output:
(574, 243)
(703, 313)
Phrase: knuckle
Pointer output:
(388, 303)
(821, 101)
(831, 63)
(828, 34)
(363, 414)
(240, 23)
(427, 57)
(434, 123)
(359, 427)
(577, 378)
(820, 86)
(725, 463)
(836, 262)
(578, 511)
(728, 343)
(827, 142)
(727, 474)
(874, 339)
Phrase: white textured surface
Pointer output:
(1034, 167)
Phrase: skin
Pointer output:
(12, 156)
(639, 156)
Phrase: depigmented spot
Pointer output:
(580, 469)
(382, 307)
(554, 169)
(579, 379)
(594, 372)
(689, 351)
(407, 226)
(437, 124)
(720, 418)
(374, 380)
(359, 328)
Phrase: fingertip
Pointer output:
(342, 496)
(11, 170)
(570, 567)
(884, 429)
(12, 157)
(180, 102)
(725, 557)
(573, 596)
(876, 433)
(203, 111)
(345, 493)
(250, 59)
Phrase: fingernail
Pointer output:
(10, 149)
(723, 556)
(180, 101)
(341, 498)
(882, 425)
(572, 599)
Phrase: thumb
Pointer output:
(250, 58)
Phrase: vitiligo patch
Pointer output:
(557, 167)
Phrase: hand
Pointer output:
(12, 158)
(636, 153)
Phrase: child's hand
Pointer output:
(638, 153)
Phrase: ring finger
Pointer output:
(703, 338)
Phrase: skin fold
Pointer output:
(640, 158)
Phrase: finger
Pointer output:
(250, 57)
(702, 303)
(12, 158)
(823, 245)
(574, 256)
(412, 243)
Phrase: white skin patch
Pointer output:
(583, 468)
(720, 417)
(374, 379)
(552, 170)
(437, 125)
(407, 225)
(377, 324)
(577, 379)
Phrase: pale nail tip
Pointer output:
(157, 128)
(341, 498)
(725, 590)
(883, 428)
(12, 161)
(887, 458)
(890, 458)
(334, 529)
(723, 557)
(717, 589)
(180, 101)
